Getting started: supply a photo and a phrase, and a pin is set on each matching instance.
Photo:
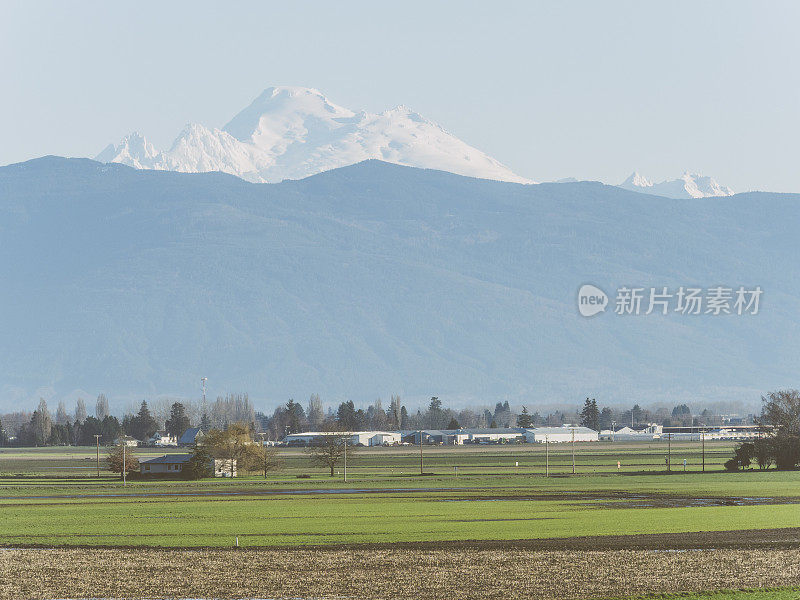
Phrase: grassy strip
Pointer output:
(763, 594)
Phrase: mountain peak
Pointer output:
(291, 132)
(636, 180)
(133, 150)
(688, 185)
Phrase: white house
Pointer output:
(130, 442)
(627, 431)
(222, 467)
(563, 434)
(163, 439)
(385, 438)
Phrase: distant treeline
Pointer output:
(293, 418)
(41, 428)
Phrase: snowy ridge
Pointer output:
(688, 185)
(294, 132)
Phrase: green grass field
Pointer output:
(377, 462)
(779, 594)
(52, 497)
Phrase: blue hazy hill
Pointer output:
(376, 279)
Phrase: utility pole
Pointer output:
(573, 451)
(345, 460)
(421, 472)
(97, 439)
(703, 438)
(547, 456)
(669, 452)
(264, 451)
(124, 464)
(613, 431)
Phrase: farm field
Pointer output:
(404, 460)
(426, 574)
(496, 493)
(387, 527)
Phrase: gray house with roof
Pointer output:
(173, 464)
(190, 437)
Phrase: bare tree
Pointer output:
(780, 416)
(268, 457)
(314, 414)
(233, 408)
(42, 423)
(235, 446)
(329, 451)
(80, 411)
(377, 416)
(61, 414)
(114, 459)
(101, 407)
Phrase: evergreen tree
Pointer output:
(524, 420)
(178, 421)
(142, 426)
(295, 417)
(346, 416)
(590, 415)
(393, 413)
(403, 417)
(434, 417)
(205, 423)
(606, 418)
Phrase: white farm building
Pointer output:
(563, 434)
(354, 438)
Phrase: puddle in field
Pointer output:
(243, 492)
(584, 499)
(635, 500)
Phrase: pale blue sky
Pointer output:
(585, 89)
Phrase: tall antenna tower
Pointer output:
(203, 381)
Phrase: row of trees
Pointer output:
(780, 418)
(780, 444)
(292, 417)
(41, 429)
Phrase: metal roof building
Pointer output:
(561, 434)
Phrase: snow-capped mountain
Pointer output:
(294, 132)
(688, 185)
